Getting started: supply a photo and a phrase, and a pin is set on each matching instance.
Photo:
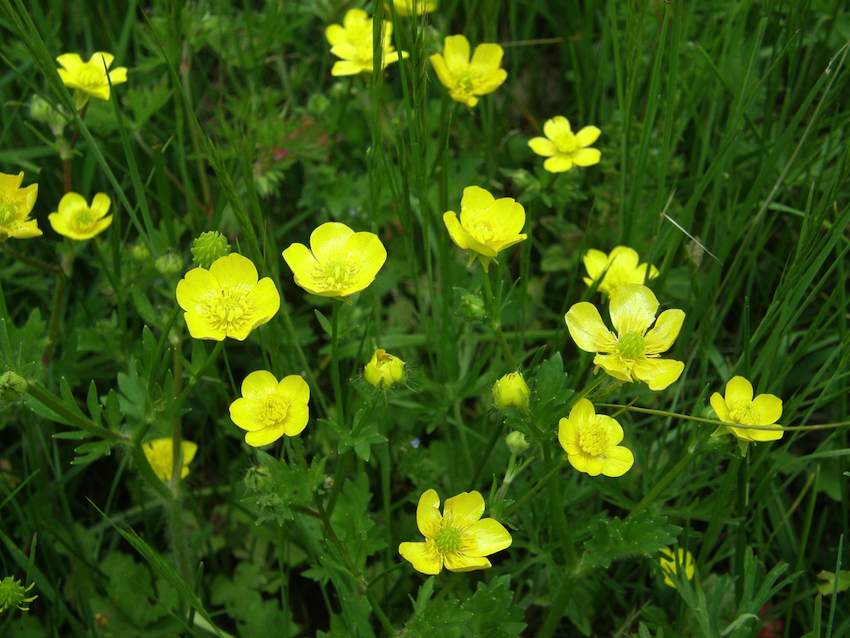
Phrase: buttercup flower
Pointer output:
(563, 148)
(413, 7)
(668, 561)
(739, 406)
(76, 219)
(591, 442)
(226, 300)
(339, 261)
(15, 206)
(89, 79)
(160, 455)
(618, 268)
(511, 391)
(269, 408)
(487, 225)
(352, 42)
(633, 353)
(467, 79)
(459, 540)
(384, 370)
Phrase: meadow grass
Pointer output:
(724, 163)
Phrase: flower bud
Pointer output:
(516, 442)
(140, 252)
(12, 383)
(511, 391)
(208, 247)
(470, 306)
(384, 370)
(168, 264)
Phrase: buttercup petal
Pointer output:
(465, 508)
(542, 146)
(234, 270)
(328, 240)
(196, 285)
(615, 366)
(568, 435)
(243, 414)
(200, 328)
(71, 204)
(456, 231)
(718, 404)
(587, 136)
(70, 61)
(259, 384)
(595, 263)
(367, 250)
(266, 300)
(423, 557)
(632, 309)
(259, 438)
(612, 428)
(738, 389)
(487, 57)
(662, 335)
(342, 68)
(558, 164)
(428, 516)
(296, 419)
(456, 53)
(586, 156)
(486, 537)
(556, 126)
(587, 329)
(769, 409)
(295, 388)
(457, 562)
(100, 204)
(658, 374)
(441, 69)
(618, 461)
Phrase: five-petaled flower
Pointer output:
(487, 225)
(459, 540)
(269, 408)
(616, 269)
(76, 219)
(92, 78)
(226, 300)
(633, 353)
(465, 78)
(739, 406)
(15, 206)
(351, 41)
(339, 261)
(412, 7)
(671, 563)
(592, 442)
(384, 370)
(160, 456)
(563, 148)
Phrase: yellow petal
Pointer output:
(99, 227)
(490, 82)
(266, 301)
(556, 127)
(542, 146)
(632, 309)
(456, 53)
(768, 407)
(587, 329)
(70, 61)
(118, 75)
(662, 335)
(335, 34)
(302, 263)
(234, 270)
(719, 407)
(614, 365)
(367, 250)
(738, 389)
(60, 225)
(259, 384)
(593, 465)
(474, 199)
(296, 419)
(456, 232)
(428, 517)
(26, 230)
(423, 557)
(657, 373)
(196, 285)
(595, 262)
(612, 428)
(442, 70)
(582, 412)
(71, 204)
(328, 241)
(465, 508)
(587, 136)
(509, 215)
(342, 68)
(355, 18)
(295, 388)
(200, 328)
(568, 435)
(579, 460)
(100, 204)
(485, 537)
(102, 60)
(259, 438)
(243, 412)
(586, 156)
(618, 460)
(487, 58)
(558, 164)
(456, 562)
(624, 257)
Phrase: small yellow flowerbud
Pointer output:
(511, 391)
(516, 442)
(208, 247)
(384, 370)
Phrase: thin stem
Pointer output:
(335, 377)
(175, 510)
(535, 488)
(496, 321)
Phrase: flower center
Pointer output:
(630, 345)
(484, 231)
(229, 309)
(84, 219)
(566, 142)
(448, 540)
(91, 77)
(273, 411)
(335, 275)
(593, 439)
(743, 412)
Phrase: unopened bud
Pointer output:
(384, 370)
(516, 442)
(168, 264)
(511, 391)
(208, 247)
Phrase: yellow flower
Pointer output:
(226, 300)
(591, 442)
(616, 269)
(668, 561)
(384, 370)
(633, 353)
(352, 43)
(413, 7)
(563, 148)
(159, 453)
(77, 220)
(739, 406)
(89, 79)
(339, 261)
(464, 78)
(15, 206)
(511, 391)
(269, 408)
(459, 540)
(487, 225)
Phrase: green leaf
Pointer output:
(640, 535)
(323, 322)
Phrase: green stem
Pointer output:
(536, 488)
(496, 321)
(335, 377)
(179, 545)
(46, 398)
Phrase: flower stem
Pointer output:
(335, 377)
(175, 510)
(496, 321)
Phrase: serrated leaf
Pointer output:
(640, 535)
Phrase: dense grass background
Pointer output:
(725, 163)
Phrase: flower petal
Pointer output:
(456, 562)
(328, 241)
(296, 419)
(200, 328)
(335, 34)
(341, 68)
(303, 264)
(456, 53)
(558, 164)
(632, 309)
(768, 407)
(587, 329)
(657, 373)
(738, 389)
(71, 204)
(423, 557)
(234, 270)
(100, 204)
(442, 70)
(70, 61)
(266, 301)
(456, 231)
(295, 388)
(259, 384)
(475, 199)
(719, 406)
(509, 215)
(428, 517)
(259, 438)
(465, 508)
(486, 537)
(542, 146)
(195, 286)
(595, 262)
(568, 435)
(612, 428)
(662, 335)
(587, 136)
(586, 156)
(556, 126)
(618, 460)
(367, 250)
(486, 58)
(615, 366)
(243, 414)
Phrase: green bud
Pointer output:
(471, 306)
(516, 442)
(168, 264)
(13, 595)
(140, 252)
(13, 383)
(208, 247)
